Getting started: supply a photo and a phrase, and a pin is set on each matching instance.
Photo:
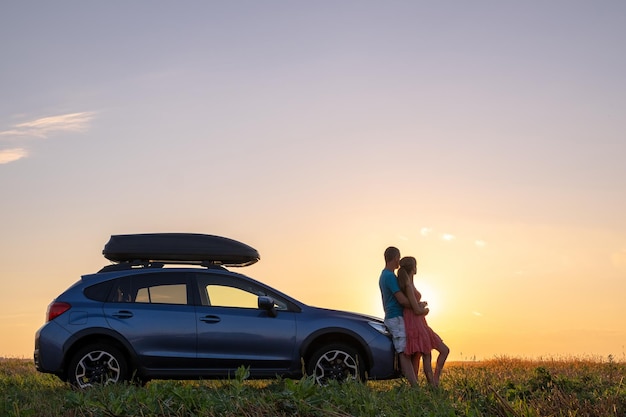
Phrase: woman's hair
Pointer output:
(407, 265)
(408, 262)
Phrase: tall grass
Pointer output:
(549, 387)
(498, 387)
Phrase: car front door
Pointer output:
(234, 332)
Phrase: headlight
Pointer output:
(380, 327)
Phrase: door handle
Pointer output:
(123, 314)
(210, 319)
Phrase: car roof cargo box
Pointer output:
(188, 248)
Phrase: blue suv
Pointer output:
(168, 308)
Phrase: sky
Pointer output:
(485, 138)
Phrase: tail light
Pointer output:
(55, 309)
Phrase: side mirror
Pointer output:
(267, 303)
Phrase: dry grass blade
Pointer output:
(504, 404)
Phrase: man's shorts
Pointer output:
(395, 326)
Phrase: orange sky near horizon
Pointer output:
(509, 297)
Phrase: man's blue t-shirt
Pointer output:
(388, 284)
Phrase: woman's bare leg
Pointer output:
(416, 363)
(444, 351)
(428, 367)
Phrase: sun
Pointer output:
(429, 293)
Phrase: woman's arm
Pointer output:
(409, 292)
(417, 307)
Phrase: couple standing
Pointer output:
(405, 317)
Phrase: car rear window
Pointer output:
(99, 292)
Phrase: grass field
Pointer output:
(497, 387)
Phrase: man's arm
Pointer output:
(402, 299)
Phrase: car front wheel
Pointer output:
(97, 364)
(338, 362)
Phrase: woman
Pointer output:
(420, 338)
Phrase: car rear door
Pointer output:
(154, 312)
(233, 331)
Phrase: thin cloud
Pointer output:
(11, 155)
(46, 126)
(42, 128)
(449, 237)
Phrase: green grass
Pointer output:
(497, 387)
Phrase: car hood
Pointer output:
(346, 314)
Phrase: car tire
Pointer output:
(97, 364)
(338, 362)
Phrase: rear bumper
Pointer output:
(49, 353)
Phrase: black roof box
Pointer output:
(188, 248)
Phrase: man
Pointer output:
(394, 302)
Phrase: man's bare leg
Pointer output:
(428, 367)
(407, 368)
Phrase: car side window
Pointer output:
(219, 291)
(225, 296)
(162, 294)
(162, 288)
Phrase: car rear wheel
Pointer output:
(97, 364)
(338, 362)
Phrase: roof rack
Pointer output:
(137, 264)
(130, 265)
(137, 250)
